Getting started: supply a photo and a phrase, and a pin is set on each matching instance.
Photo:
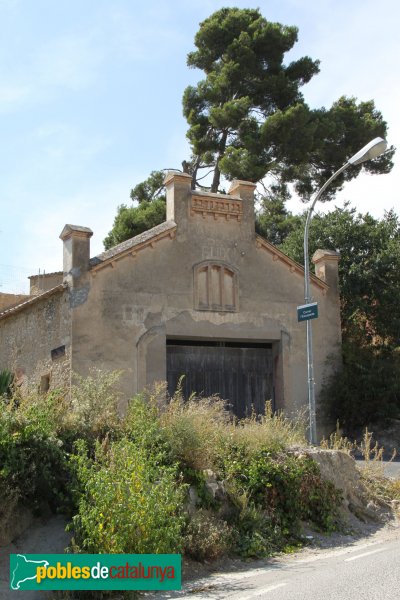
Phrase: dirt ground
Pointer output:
(44, 536)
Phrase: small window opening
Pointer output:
(44, 384)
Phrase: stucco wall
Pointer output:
(120, 309)
(27, 338)
(136, 303)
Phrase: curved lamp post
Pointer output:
(376, 147)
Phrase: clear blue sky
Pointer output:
(90, 103)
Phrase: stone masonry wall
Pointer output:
(28, 337)
(8, 300)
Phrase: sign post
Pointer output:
(305, 312)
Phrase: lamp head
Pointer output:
(373, 149)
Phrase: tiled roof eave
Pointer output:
(133, 246)
(292, 264)
(20, 307)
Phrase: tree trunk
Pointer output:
(217, 171)
(216, 178)
(196, 165)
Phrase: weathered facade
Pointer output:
(200, 295)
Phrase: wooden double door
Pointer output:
(240, 373)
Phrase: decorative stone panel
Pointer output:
(215, 287)
(217, 207)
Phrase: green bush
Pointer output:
(128, 502)
(6, 380)
(367, 388)
(31, 455)
(37, 432)
(142, 424)
(254, 535)
(280, 490)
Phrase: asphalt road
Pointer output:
(391, 469)
(366, 570)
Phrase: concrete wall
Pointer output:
(28, 337)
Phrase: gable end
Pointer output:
(294, 267)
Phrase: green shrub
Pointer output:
(367, 388)
(319, 499)
(31, 455)
(287, 488)
(142, 424)
(255, 535)
(128, 502)
(6, 380)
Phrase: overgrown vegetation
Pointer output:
(128, 502)
(381, 490)
(6, 381)
(33, 462)
(367, 389)
(144, 483)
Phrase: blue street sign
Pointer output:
(307, 311)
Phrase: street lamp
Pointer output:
(371, 150)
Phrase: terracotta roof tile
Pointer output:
(14, 309)
(132, 242)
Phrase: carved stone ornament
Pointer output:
(216, 207)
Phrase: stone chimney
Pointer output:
(76, 253)
(178, 186)
(198, 208)
(327, 267)
(245, 191)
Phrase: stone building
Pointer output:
(200, 295)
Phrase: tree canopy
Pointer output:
(149, 211)
(367, 389)
(274, 221)
(369, 269)
(248, 119)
